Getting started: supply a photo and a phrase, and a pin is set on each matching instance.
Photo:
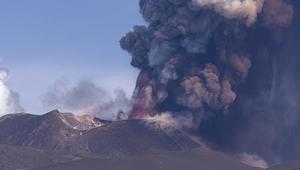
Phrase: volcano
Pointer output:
(58, 140)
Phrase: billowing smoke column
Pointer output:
(9, 100)
(206, 57)
(195, 53)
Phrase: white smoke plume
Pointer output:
(86, 98)
(234, 9)
(253, 160)
(113, 108)
(9, 100)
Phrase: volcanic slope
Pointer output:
(59, 132)
(161, 160)
(14, 157)
(60, 141)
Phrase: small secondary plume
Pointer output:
(167, 122)
(208, 58)
(9, 100)
(86, 98)
(253, 160)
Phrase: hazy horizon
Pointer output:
(45, 41)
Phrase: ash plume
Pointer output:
(86, 97)
(214, 59)
(9, 100)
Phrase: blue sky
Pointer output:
(44, 40)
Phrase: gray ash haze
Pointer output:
(230, 64)
(9, 100)
(85, 97)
